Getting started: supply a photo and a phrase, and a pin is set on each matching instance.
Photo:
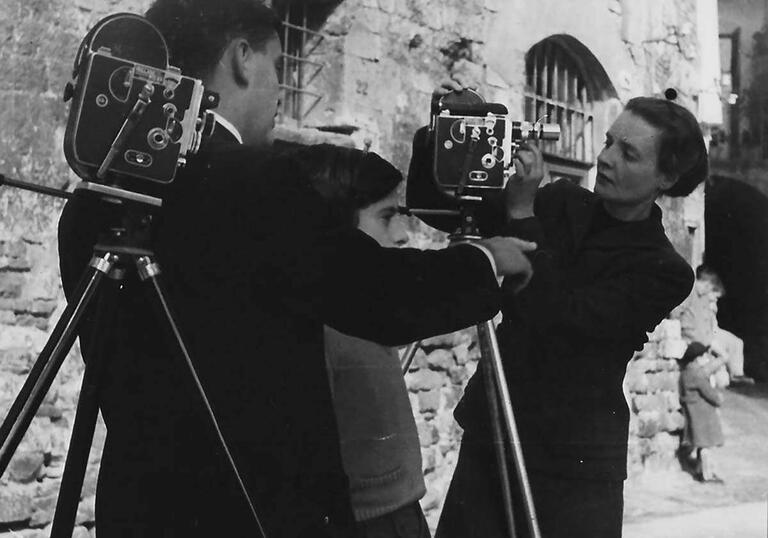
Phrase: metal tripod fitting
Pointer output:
(147, 268)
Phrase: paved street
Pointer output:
(741, 521)
(672, 504)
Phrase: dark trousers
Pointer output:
(565, 508)
(405, 522)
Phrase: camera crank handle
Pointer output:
(130, 123)
(474, 139)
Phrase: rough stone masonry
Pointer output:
(383, 58)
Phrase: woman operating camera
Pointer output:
(605, 274)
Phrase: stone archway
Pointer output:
(736, 216)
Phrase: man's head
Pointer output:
(233, 46)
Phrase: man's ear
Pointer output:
(239, 54)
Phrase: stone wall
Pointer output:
(384, 58)
(38, 42)
(436, 382)
(651, 386)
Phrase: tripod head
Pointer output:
(133, 215)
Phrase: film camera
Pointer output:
(474, 142)
(465, 156)
(133, 117)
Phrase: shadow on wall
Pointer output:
(736, 219)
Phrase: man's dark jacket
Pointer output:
(254, 267)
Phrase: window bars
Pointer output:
(556, 91)
(298, 71)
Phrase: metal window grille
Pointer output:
(556, 91)
(298, 70)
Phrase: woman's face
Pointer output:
(628, 177)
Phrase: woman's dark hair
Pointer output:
(348, 178)
(198, 31)
(682, 151)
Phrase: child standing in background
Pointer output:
(700, 401)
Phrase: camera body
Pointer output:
(464, 157)
(475, 142)
(132, 115)
(471, 146)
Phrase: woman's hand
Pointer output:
(455, 84)
(521, 188)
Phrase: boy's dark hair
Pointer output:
(348, 178)
(682, 151)
(198, 31)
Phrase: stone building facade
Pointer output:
(380, 60)
(737, 198)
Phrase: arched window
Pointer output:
(558, 91)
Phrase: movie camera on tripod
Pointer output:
(133, 121)
(465, 158)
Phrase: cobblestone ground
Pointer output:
(671, 503)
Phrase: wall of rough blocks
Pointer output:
(38, 42)
(651, 386)
(384, 58)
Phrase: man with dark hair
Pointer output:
(232, 46)
(255, 263)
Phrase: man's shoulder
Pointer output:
(263, 188)
(236, 168)
(245, 161)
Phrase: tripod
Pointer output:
(122, 249)
(505, 434)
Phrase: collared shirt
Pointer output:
(224, 122)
